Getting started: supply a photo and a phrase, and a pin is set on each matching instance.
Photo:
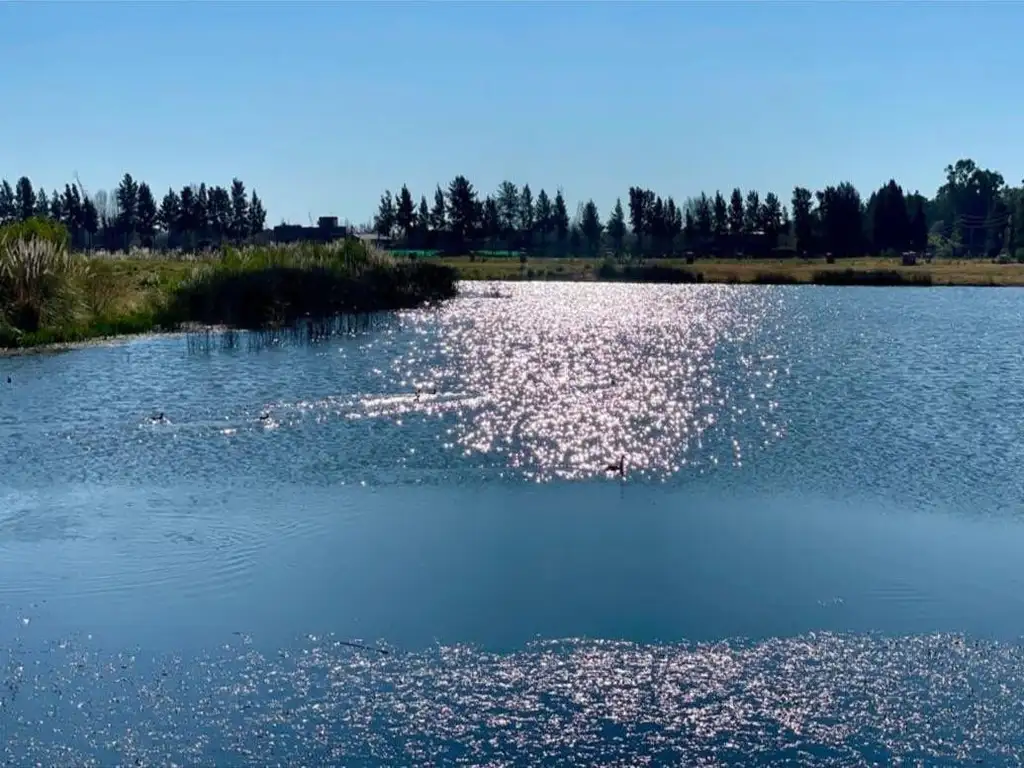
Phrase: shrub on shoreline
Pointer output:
(647, 273)
(876, 277)
(39, 283)
(48, 295)
(278, 296)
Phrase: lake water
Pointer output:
(814, 555)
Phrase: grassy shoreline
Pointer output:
(138, 296)
(857, 271)
(50, 298)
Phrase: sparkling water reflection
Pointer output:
(563, 381)
(814, 700)
(805, 467)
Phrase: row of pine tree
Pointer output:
(194, 217)
(973, 214)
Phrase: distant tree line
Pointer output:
(973, 214)
(195, 217)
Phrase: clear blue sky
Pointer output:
(322, 106)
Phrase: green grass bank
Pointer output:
(868, 270)
(49, 295)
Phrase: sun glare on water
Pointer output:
(562, 381)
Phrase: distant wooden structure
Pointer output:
(326, 231)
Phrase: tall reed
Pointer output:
(39, 283)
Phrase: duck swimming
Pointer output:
(620, 468)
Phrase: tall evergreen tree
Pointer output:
(238, 225)
(56, 207)
(438, 214)
(422, 221)
(170, 213)
(42, 204)
(257, 215)
(544, 216)
(918, 227)
(616, 227)
(491, 221)
(719, 219)
(673, 223)
(703, 216)
(464, 210)
(147, 215)
(655, 225)
(384, 221)
(405, 212)
(690, 228)
(220, 214)
(8, 203)
(637, 216)
(591, 227)
(575, 239)
(128, 204)
(187, 225)
(202, 210)
(752, 213)
(560, 217)
(90, 222)
(508, 211)
(771, 219)
(72, 215)
(24, 198)
(803, 222)
(526, 214)
(736, 215)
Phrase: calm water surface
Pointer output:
(814, 556)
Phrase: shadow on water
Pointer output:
(304, 332)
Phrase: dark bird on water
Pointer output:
(423, 391)
(620, 468)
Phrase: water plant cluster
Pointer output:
(279, 286)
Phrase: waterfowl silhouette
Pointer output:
(620, 468)
(424, 391)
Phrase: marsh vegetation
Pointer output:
(49, 294)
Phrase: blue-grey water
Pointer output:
(814, 556)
